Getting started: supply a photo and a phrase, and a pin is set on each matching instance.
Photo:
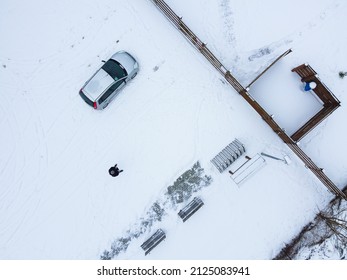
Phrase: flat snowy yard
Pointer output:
(57, 200)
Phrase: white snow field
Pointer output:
(57, 200)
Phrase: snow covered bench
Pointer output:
(190, 209)
(228, 155)
(251, 166)
(153, 241)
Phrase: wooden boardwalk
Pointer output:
(202, 47)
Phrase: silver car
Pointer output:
(106, 83)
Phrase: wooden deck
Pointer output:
(331, 103)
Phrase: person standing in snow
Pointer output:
(114, 171)
(309, 86)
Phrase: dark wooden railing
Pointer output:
(330, 101)
(197, 43)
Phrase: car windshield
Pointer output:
(114, 69)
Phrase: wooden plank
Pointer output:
(267, 68)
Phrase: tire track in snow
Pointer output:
(10, 222)
(14, 130)
(137, 15)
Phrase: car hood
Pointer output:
(98, 84)
(126, 60)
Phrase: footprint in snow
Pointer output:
(156, 68)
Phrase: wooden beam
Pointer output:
(267, 68)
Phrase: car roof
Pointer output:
(98, 84)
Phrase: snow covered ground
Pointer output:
(57, 200)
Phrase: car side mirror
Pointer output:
(103, 61)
